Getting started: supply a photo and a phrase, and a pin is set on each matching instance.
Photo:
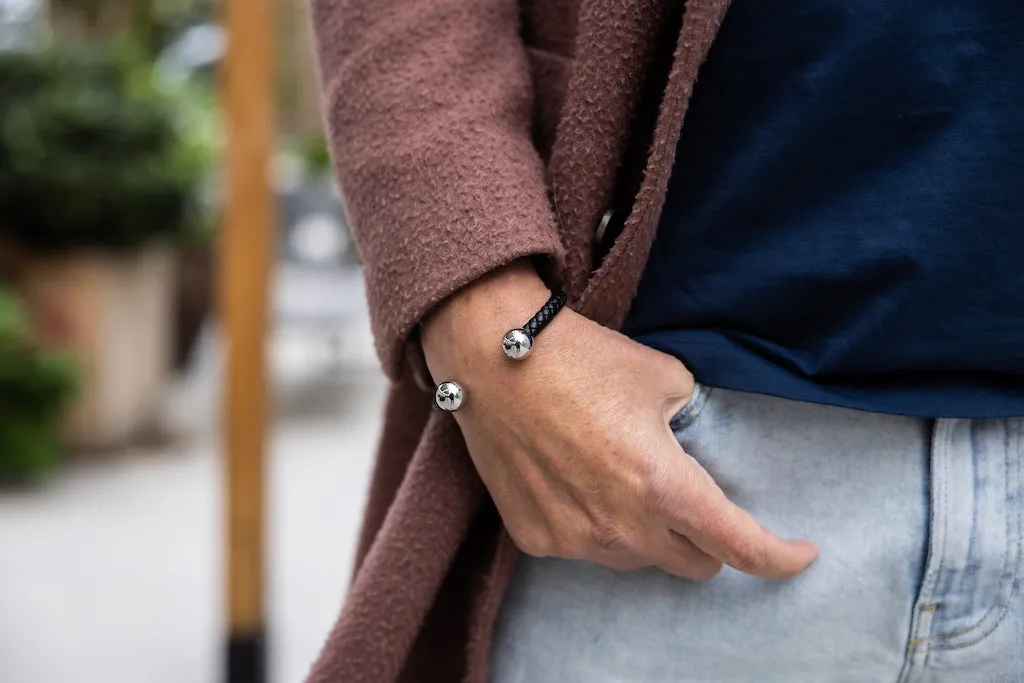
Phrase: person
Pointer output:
(777, 433)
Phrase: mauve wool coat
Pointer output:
(467, 134)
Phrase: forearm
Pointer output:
(429, 109)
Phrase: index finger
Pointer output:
(702, 512)
(732, 535)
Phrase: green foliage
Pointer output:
(35, 386)
(315, 155)
(29, 451)
(95, 151)
(160, 20)
(154, 23)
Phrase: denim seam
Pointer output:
(924, 607)
(1006, 607)
(924, 604)
(1007, 572)
(934, 561)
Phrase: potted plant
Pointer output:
(98, 184)
(35, 386)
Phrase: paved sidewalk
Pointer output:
(112, 574)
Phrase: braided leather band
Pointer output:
(517, 343)
(537, 323)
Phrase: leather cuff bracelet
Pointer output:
(516, 344)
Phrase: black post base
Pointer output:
(247, 658)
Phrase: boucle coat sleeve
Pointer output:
(428, 108)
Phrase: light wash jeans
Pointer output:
(919, 579)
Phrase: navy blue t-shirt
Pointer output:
(845, 219)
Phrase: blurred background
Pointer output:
(112, 538)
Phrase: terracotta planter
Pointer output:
(114, 315)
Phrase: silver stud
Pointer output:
(516, 344)
(448, 396)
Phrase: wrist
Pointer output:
(463, 334)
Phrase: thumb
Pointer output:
(677, 385)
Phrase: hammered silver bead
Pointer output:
(516, 344)
(448, 396)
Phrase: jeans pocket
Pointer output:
(689, 413)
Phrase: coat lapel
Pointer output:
(618, 43)
(613, 53)
(610, 291)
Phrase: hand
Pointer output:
(573, 442)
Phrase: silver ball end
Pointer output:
(448, 396)
(516, 344)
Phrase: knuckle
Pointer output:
(713, 515)
(607, 535)
(749, 557)
(572, 543)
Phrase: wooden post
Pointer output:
(246, 259)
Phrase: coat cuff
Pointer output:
(397, 338)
